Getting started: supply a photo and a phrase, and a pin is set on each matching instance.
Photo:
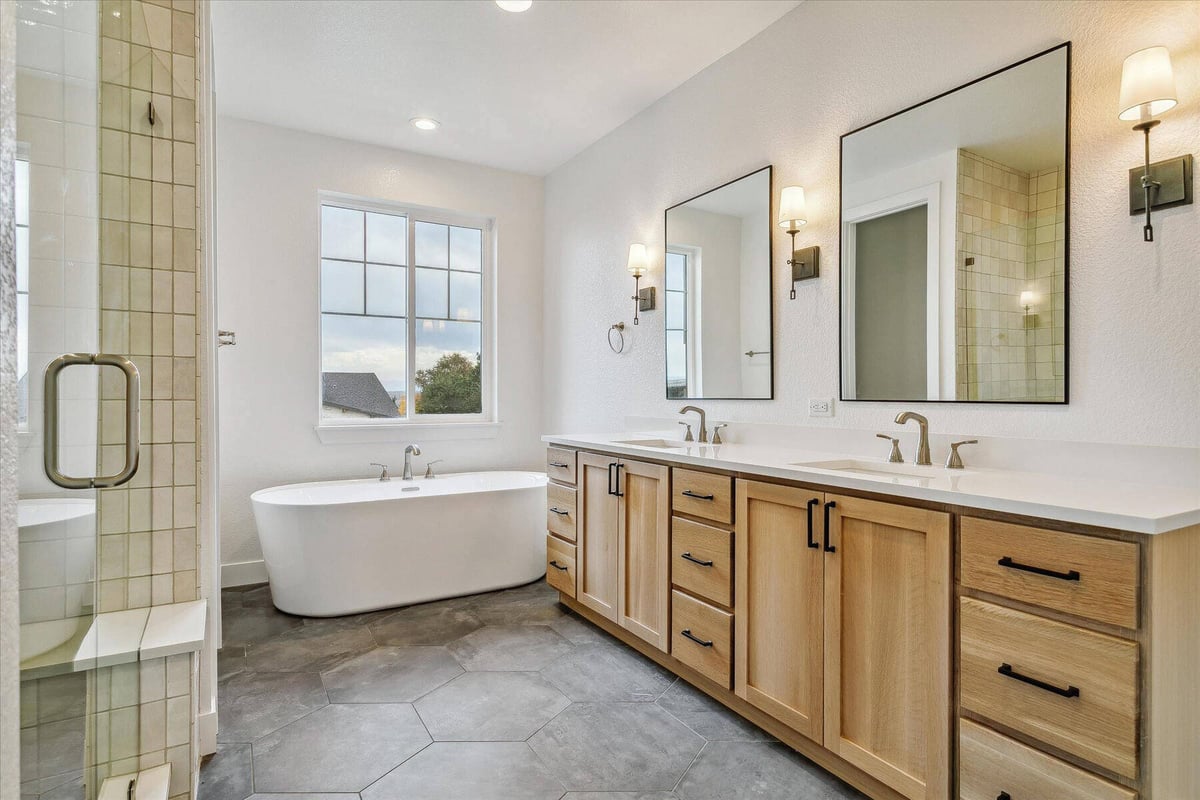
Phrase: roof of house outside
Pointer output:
(357, 391)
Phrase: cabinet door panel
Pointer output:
(778, 605)
(596, 556)
(644, 550)
(887, 643)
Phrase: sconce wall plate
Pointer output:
(1175, 179)
(806, 263)
(645, 299)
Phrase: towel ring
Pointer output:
(619, 327)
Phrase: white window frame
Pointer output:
(485, 424)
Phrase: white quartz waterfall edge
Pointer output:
(345, 547)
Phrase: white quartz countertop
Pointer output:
(1122, 504)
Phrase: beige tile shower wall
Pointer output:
(1045, 276)
(149, 297)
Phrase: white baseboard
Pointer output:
(206, 725)
(243, 573)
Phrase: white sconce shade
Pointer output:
(1147, 85)
(1027, 299)
(638, 260)
(793, 211)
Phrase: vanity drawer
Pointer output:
(702, 494)
(991, 765)
(560, 464)
(560, 565)
(702, 637)
(560, 511)
(1068, 687)
(1082, 575)
(702, 560)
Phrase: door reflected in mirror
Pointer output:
(717, 292)
(954, 244)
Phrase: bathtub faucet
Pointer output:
(409, 452)
(383, 476)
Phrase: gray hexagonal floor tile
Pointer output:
(758, 771)
(305, 796)
(616, 747)
(390, 675)
(430, 623)
(227, 775)
(709, 718)
(620, 796)
(253, 704)
(577, 630)
(490, 706)
(509, 647)
(532, 604)
(340, 748)
(254, 624)
(310, 648)
(598, 672)
(475, 770)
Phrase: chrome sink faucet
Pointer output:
(383, 475)
(703, 427)
(409, 452)
(923, 458)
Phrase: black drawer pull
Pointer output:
(559, 464)
(694, 496)
(828, 547)
(1004, 796)
(556, 565)
(1072, 575)
(688, 634)
(813, 503)
(694, 560)
(1007, 671)
(559, 511)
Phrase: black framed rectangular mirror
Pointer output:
(717, 293)
(955, 243)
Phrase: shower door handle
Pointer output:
(133, 404)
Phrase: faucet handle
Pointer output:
(716, 432)
(377, 464)
(429, 467)
(383, 476)
(895, 457)
(687, 437)
(954, 461)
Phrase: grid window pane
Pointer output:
(342, 287)
(431, 293)
(466, 249)
(448, 379)
(432, 242)
(23, 259)
(22, 192)
(364, 346)
(387, 290)
(341, 233)
(676, 310)
(466, 295)
(387, 239)
(676, 271)
(676, 358)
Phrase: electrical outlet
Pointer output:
(820, 406)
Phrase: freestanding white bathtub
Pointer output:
(344, 547)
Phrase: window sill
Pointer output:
(370, 433)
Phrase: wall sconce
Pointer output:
(639, 261)
(1028, 299)
(793, 213)
(1148, 91)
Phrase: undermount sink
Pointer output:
(665, 444)
(883, 470)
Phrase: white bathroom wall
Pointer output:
(266, 229)
(785, 98)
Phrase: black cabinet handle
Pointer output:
(559, 464)
(559, 511)
(813, 503)
(828, 547)
(1004, 796)
(688, 634)
(694, 560)
(1007, 671)
(612, 471)
(618, 491)
(1072, 575)
(694, 496)
(556, 565)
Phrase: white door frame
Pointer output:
(930, 197)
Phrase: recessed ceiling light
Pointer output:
(425, 123)
(515, 6)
